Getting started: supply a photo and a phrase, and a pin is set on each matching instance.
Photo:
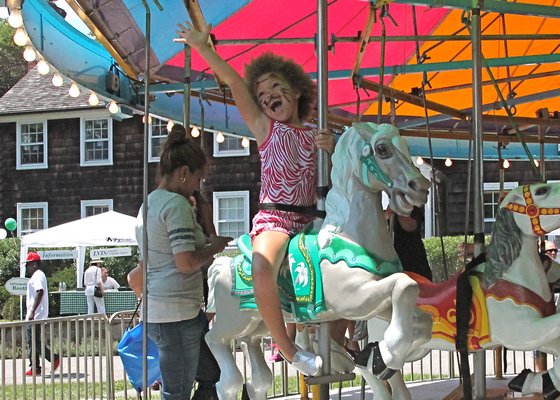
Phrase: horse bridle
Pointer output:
(369, 164)
(532, 211)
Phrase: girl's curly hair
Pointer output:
(293, 74)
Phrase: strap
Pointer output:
(134, 314)
(306, 210)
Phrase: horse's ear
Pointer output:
(365, 129)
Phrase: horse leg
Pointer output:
(378, 386)
(261, 376)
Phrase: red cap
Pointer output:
(33, 257)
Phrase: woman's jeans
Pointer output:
(178, 345)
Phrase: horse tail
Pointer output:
(214, 271)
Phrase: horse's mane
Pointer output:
(504, 246)
(337, 204)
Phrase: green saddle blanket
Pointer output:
(299, 283)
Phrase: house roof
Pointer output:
(35, 93)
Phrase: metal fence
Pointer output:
(91, 369)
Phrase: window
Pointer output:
(231, 213)
(491, 198)
(31, 217)
(31, 145)
(96, 138)
(95, 207)
(158, 136)
(230, 147)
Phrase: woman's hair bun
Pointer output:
(177, 134)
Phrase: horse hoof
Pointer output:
(516, 384)
(307, 363)
(548, 390)
(379, 368)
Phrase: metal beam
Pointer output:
(502, 7)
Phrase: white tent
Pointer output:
(107, 229)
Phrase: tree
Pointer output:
(13, 66)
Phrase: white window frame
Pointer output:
(151, 156)
(494, 187)
(94, 163)
(26, 206)
(217, 196)
(92, 203)
(243, 152)
(19, 144)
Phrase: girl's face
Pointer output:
(277, 99)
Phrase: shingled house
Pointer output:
(62, 159)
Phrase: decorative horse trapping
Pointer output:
(354, 242)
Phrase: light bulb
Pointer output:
(245, 142)
(93, 99)
(57, 79)
(505, 164)
(419, 160)
(15, 20)
(74, 90)
(170, 124)
(43, 67)
(20, 37)
(113, 107)
(149, 119)
(536, 163)
(195, 132)
(29, 53)
(448, 162)
(220, 137)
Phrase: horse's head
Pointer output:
(535, 207)
(385, 164)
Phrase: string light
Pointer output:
(42, 67)
(448, 162)
(149, 119)
(195, 132)
(29, 54)
(93, 99)
(20, 37)
(170, 125)
(113, 107)
(15, 20)
(57, 79)
(220, 137)
(74, 90)
(506, 164)
(419, 160)
(536, 163)
(245, 142)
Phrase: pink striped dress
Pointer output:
(288, 176)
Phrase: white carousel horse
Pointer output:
(354, 237)
(512, 306)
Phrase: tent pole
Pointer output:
(479, 387)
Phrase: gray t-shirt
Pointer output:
(172, 229)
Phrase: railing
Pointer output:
(90, 368)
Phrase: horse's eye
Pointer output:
(541, 191)
(382, 150)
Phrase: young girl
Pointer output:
(274, 101)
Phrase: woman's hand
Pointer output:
(193, 37)
(219, 242)
(325, 140)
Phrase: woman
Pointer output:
(177, 249)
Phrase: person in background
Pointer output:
(37, 302)
(177, 251)
(108, 282)
(275, 100)
(92, 279)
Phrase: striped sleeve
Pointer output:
(179, 221)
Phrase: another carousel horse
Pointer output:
(512, 303)
(359, 274)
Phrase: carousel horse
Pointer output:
(347, 270)
(512, 302)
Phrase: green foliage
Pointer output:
(453, 262)
(14, 67)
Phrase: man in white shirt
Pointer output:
(37, 302)
(108, 282)
(92, 279)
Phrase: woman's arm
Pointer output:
(189, 261)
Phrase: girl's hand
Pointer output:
(325, 140)
(220, 242)
(194, 38)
